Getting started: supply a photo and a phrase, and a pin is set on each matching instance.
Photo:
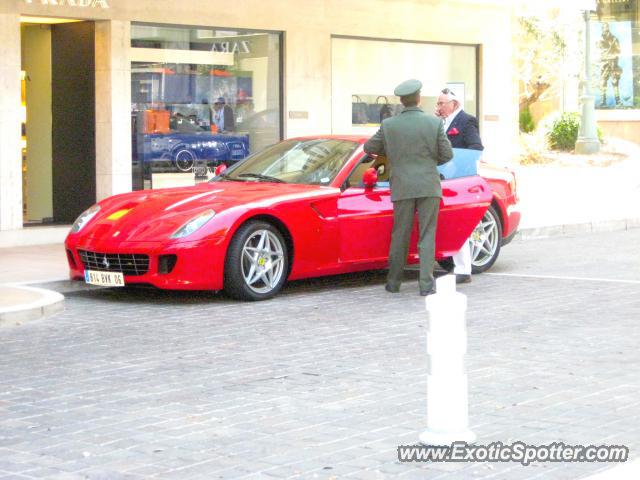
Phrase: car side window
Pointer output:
(379, 162)
(383, 167)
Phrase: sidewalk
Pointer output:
(555, 195)
(24, 265)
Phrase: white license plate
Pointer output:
(104, 279)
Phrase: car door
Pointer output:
(365, 218)
(464, 201)
(365, 215)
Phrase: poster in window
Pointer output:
(612, 78)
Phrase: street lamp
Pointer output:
(588, 134)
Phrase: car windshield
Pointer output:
(311, 162)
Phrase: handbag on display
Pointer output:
(385, 108)
(358, 111)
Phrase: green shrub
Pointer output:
(527, 124)
(564, 132)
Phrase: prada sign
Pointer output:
(72, 3)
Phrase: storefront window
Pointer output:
(200, 97)
(365, 73)
(615, 50)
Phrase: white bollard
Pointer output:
(447, 396)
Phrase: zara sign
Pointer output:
(74, 3)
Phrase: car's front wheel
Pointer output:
(257, 262)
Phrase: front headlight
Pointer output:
(84, 218)
(194, 224)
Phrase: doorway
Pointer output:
(59, 154)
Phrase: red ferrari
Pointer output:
(304, 207)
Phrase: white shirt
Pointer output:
(449, 119)
(218, 118)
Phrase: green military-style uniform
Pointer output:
(415, 144)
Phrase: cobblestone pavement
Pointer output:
(326, 380)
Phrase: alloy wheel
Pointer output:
(485, 240)
(262, 261)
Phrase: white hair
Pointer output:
(451, 96)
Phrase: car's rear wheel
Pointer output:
(257, 262)
(485, 241)
(485, 244)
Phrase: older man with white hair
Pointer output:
(462, 131)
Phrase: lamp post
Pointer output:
(588, 134)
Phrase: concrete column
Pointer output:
(308, 82)
(113, 108)
(10, 149)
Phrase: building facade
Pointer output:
(99, 97)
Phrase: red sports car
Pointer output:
(304, 207)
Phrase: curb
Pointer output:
(576, 228)
(32, 304)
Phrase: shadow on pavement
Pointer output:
(141, 294)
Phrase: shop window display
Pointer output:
(200, 98)
(362, 93)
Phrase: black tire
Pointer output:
(257, 262)
(486, 240)
(184, 159)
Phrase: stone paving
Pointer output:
(326, 380)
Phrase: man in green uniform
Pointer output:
(415, 144)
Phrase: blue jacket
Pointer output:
(467, 135)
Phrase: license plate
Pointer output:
(104, 279)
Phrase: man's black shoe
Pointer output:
(461, 278)
(426, 293)
(391, 289)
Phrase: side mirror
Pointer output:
(219, 169)
(370, 178)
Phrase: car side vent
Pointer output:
(166, 263)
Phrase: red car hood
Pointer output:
(153, 215)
